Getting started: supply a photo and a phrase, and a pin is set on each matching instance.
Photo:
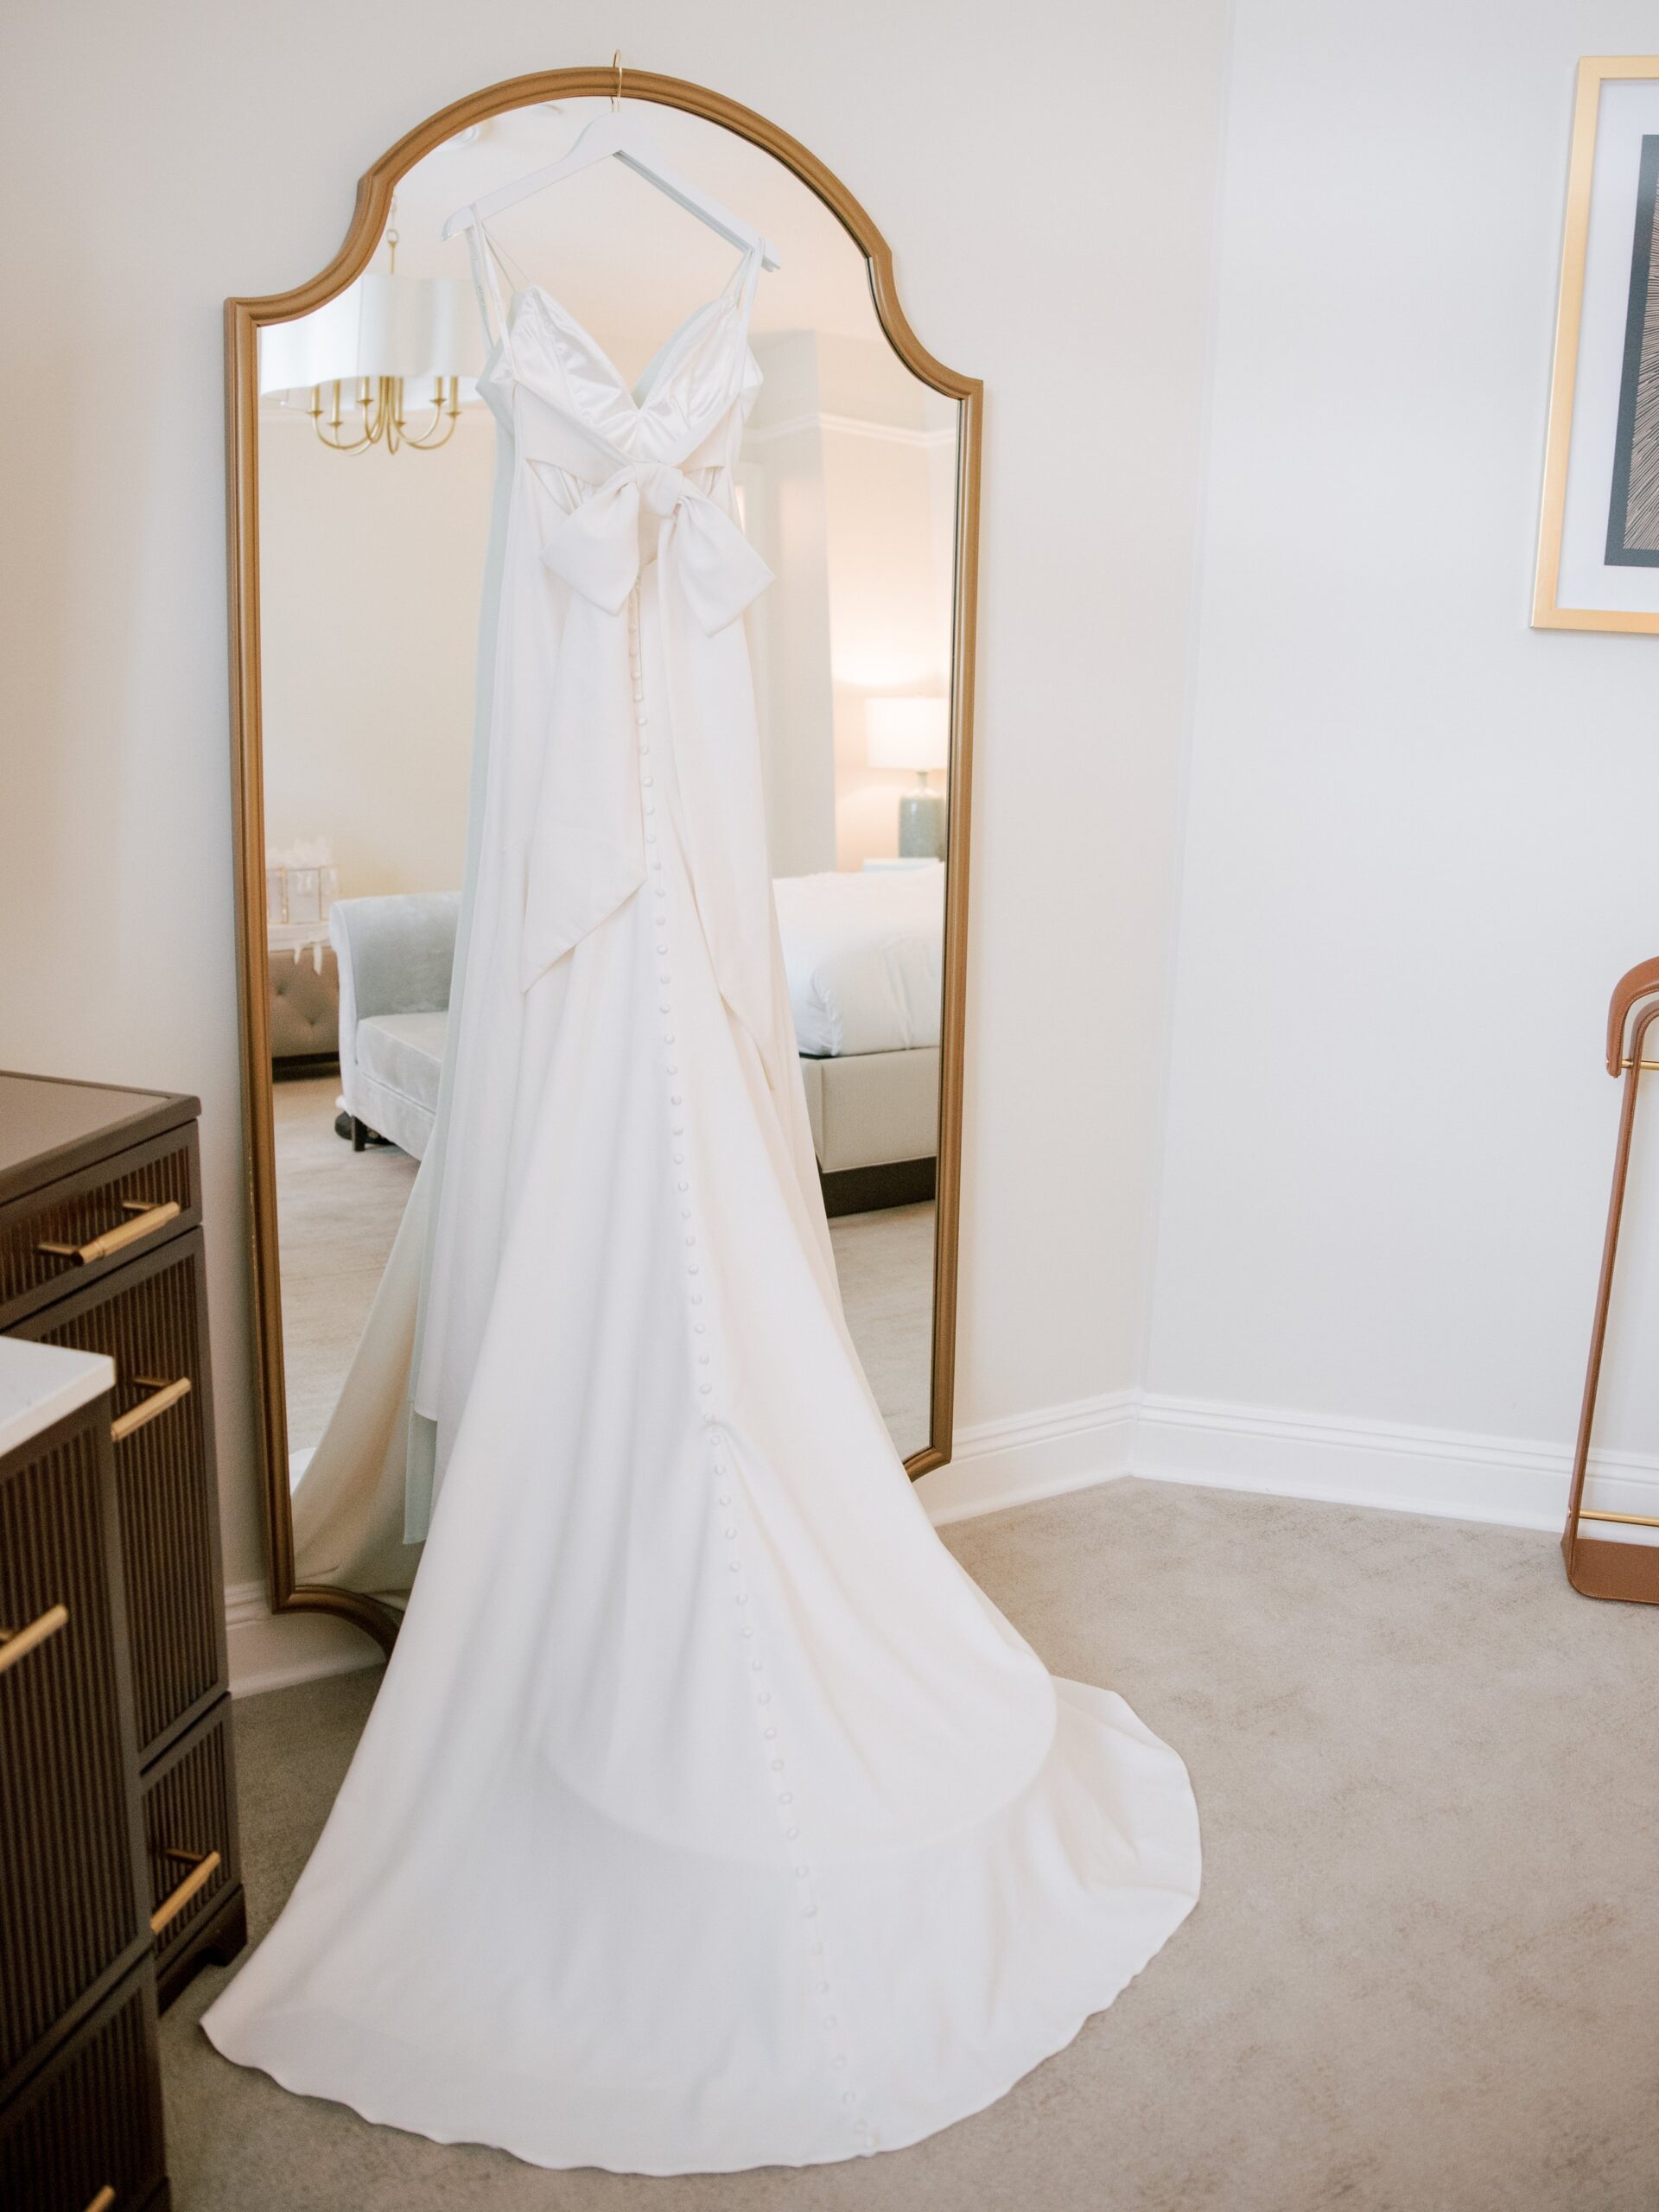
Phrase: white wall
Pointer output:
(850, 467)
(163, 158)
(1419, 844)
(781, 480)
(889, 617)
(370, 568)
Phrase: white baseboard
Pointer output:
(1450, 1473)
(1511, 1482)
(1030, 1456)
(1453, 1474)
(273, 1651)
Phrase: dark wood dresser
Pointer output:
(101, 1251)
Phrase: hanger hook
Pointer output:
(616, 64)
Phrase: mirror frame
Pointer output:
(243, 319)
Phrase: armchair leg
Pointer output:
(359, 1135)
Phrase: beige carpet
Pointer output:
(338, 1211)
(1424, 1975)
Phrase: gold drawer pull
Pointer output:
(16, 1644)
(146, 1220)
(165, 1394)
(103, 2201)
(203, 1866)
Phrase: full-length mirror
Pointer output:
(367, 515)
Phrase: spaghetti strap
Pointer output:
(485, 256)
(743, 280)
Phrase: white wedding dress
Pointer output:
(708, 1815)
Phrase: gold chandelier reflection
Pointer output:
(378, 401)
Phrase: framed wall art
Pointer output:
(1598, 534)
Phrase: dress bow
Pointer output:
(599, 548)
(586, 852)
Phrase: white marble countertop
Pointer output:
(41, 1383)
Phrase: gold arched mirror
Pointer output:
(361, 493)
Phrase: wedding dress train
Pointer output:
(708, 1815)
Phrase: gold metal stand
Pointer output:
(1594, 1567)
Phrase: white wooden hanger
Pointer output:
(624, 134)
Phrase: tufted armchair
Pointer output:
(395, 956)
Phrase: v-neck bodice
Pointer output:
(702, 374)
(581, 340)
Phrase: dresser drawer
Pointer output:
(190, 1834)
(69, 1914)
(87, 2130)
(151, 1319)
(80, 1228)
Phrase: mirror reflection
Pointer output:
(377, 469)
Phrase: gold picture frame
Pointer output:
(1567, 379)
(243, 319)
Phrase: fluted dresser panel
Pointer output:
(151, 1320)
(87, 2130)
(83, 1225)
(190, 1840)
(70, 1922)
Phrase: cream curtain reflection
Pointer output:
(362, 1508)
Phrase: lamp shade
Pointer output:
(908, 732)
(382, 326)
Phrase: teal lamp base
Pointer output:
(921, 826)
